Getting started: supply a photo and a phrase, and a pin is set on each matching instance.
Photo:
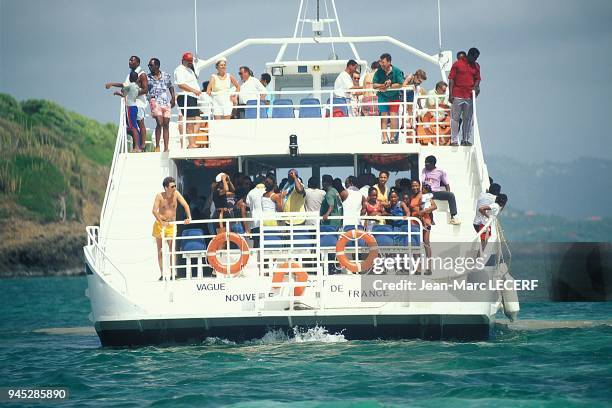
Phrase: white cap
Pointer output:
(219, 177)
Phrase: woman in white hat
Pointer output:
(219, 88)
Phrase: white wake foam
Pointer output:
(317, 334)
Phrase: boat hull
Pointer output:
(364, 327)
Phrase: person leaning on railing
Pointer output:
(486, 198)
(491, 211)
(388, 77)
(437, 101)
(130, 92)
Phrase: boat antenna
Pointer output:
(333, 2)
(439, 31)
(195, 24)
(333, 47)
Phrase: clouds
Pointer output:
(545, 64)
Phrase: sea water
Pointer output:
(561, 355)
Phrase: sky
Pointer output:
(545, 64)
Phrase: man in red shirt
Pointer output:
(464, 78)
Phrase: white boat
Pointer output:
(294, 278)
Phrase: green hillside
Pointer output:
(50, 159)
(53, 170)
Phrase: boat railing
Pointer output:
(296, 234)
(292, 246)
(102, 262)
(483, 172)
(121, 146)
(423, 119)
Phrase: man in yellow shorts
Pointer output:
(164, 211)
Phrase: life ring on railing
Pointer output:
(298, 275)
(426, 130)
(220, 241)
(356, 266)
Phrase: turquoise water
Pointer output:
(520, 367)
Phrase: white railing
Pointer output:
(121, 146)
(101, 260)
(415, 121)
(289, 248)
(483, 173)
(287, 235)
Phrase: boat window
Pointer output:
(327, 81)
(294, 83)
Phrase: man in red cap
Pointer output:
(186, 78)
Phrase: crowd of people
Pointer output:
(357, 202)
(382, 92)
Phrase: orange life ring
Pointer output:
(298, 276)
(428, 128)
(220, 241)
(356, 266)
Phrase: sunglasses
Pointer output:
(172, 186)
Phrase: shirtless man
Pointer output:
(164, 211)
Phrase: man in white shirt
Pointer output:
(486, 198)
(186, 79)
(344, 81)
(438, 95)
(141, 99)
(313, 199)
(491, 211)
(250, 89)
(253, 201)
(131, 92)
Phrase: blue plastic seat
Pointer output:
(281, 108)
(310, 111)
(302, 237)
(328, 240)
(250, 110)
(340, 101)
(385, 239)
(192, 244)
(271, 241)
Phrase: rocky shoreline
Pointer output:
(34, 250)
